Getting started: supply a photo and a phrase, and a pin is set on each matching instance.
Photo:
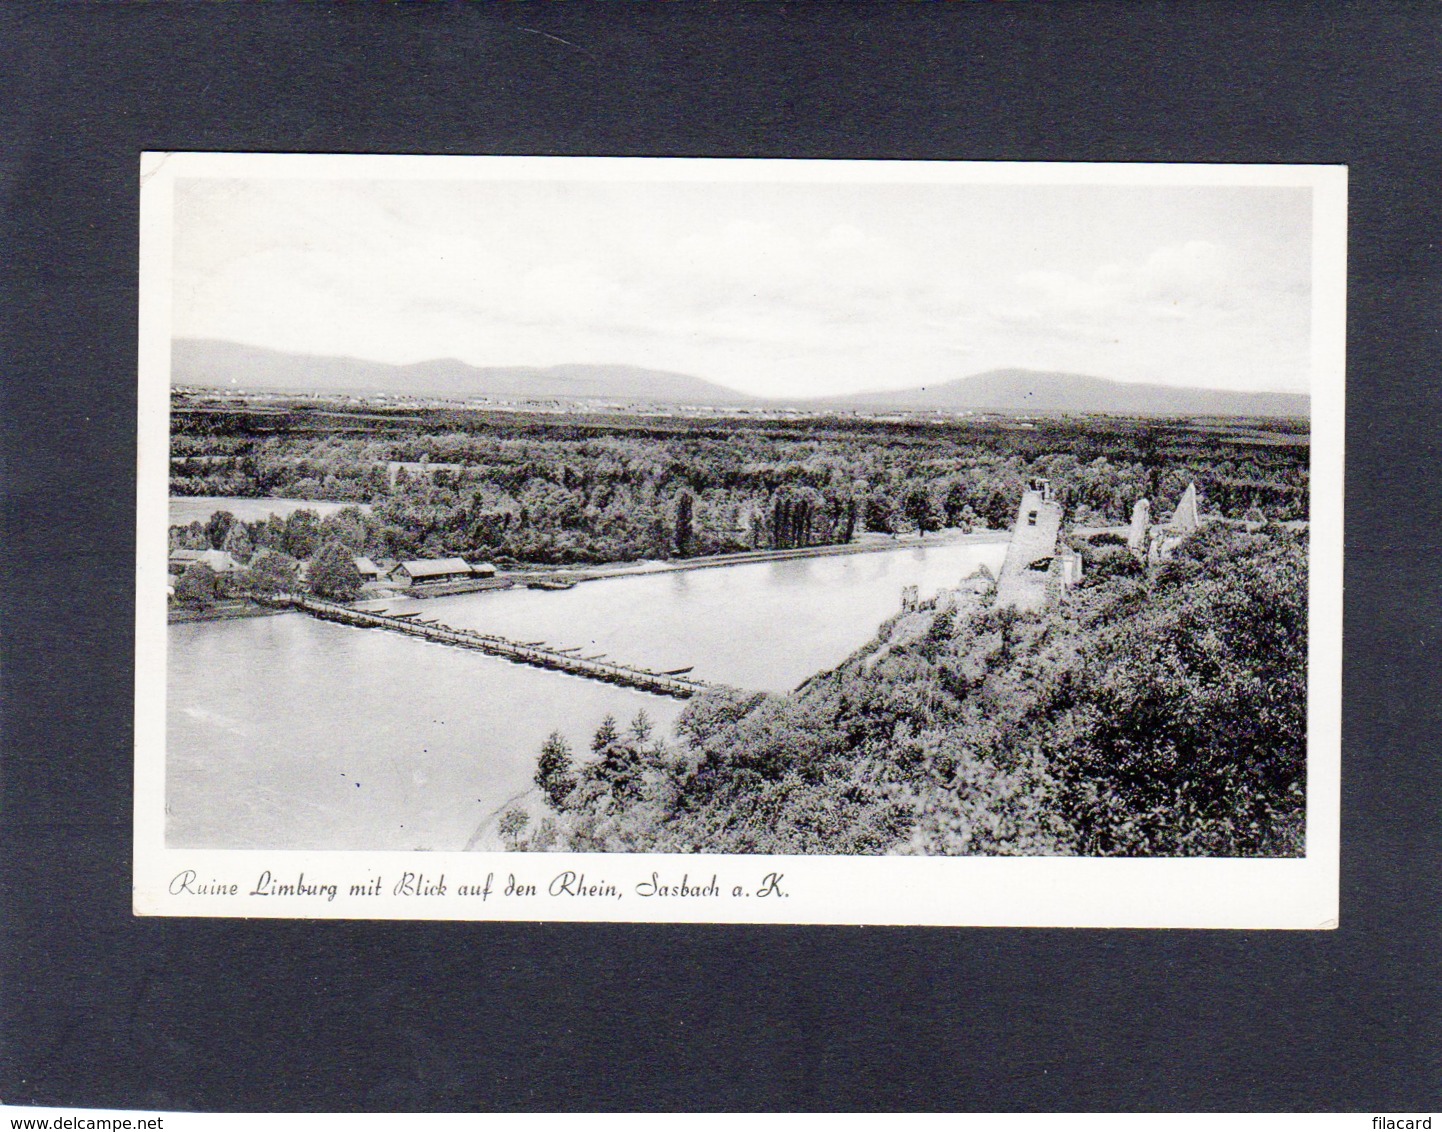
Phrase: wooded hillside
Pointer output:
(1147, 714)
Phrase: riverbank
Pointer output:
(868, 544)
(566, 577)
(373, 590)
(220, 611)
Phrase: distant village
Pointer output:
(188, 398)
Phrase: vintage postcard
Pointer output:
(693, 540)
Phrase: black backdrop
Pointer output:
(100, 1008)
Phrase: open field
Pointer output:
(199, 508)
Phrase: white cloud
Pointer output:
(769, 292)
(1172, 282)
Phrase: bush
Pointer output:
(197, 587)
(333, 574)
(1102, 564)
(272, 572)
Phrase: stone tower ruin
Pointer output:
(1141, 523)
(1033, 570)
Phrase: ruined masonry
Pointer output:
(1155, 543)
(1034, 570)
(1141, 524)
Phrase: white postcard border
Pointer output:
(1297, 893)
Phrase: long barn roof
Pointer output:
(430, 567)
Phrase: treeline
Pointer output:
(301, 552)
(569, 491)
(1150, 713)
(299, 536)
(266, 572)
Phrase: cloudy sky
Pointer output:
(781, 289)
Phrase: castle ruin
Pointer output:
(1141, 524)
(1035, 571)
(1155, 542)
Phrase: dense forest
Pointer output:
(1151, 712)
(532, 488)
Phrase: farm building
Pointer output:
(367, 569)
(219, 561)
(419, 571)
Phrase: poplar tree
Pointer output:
(683, 524)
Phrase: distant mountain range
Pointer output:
(208, 362)
(1016, 391)
(1029, 391)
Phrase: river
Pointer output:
(286, 732)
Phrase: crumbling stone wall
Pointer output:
(1030, 555)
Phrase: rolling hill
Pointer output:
(1015, 391)
(1030, 391)
(215, 363)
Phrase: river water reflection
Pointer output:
(290, 733)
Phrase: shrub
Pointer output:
(197, 587)
(512, 824)
(333, 574)
(1104, 563)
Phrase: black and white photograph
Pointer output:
(739, 540)
(663, 558)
